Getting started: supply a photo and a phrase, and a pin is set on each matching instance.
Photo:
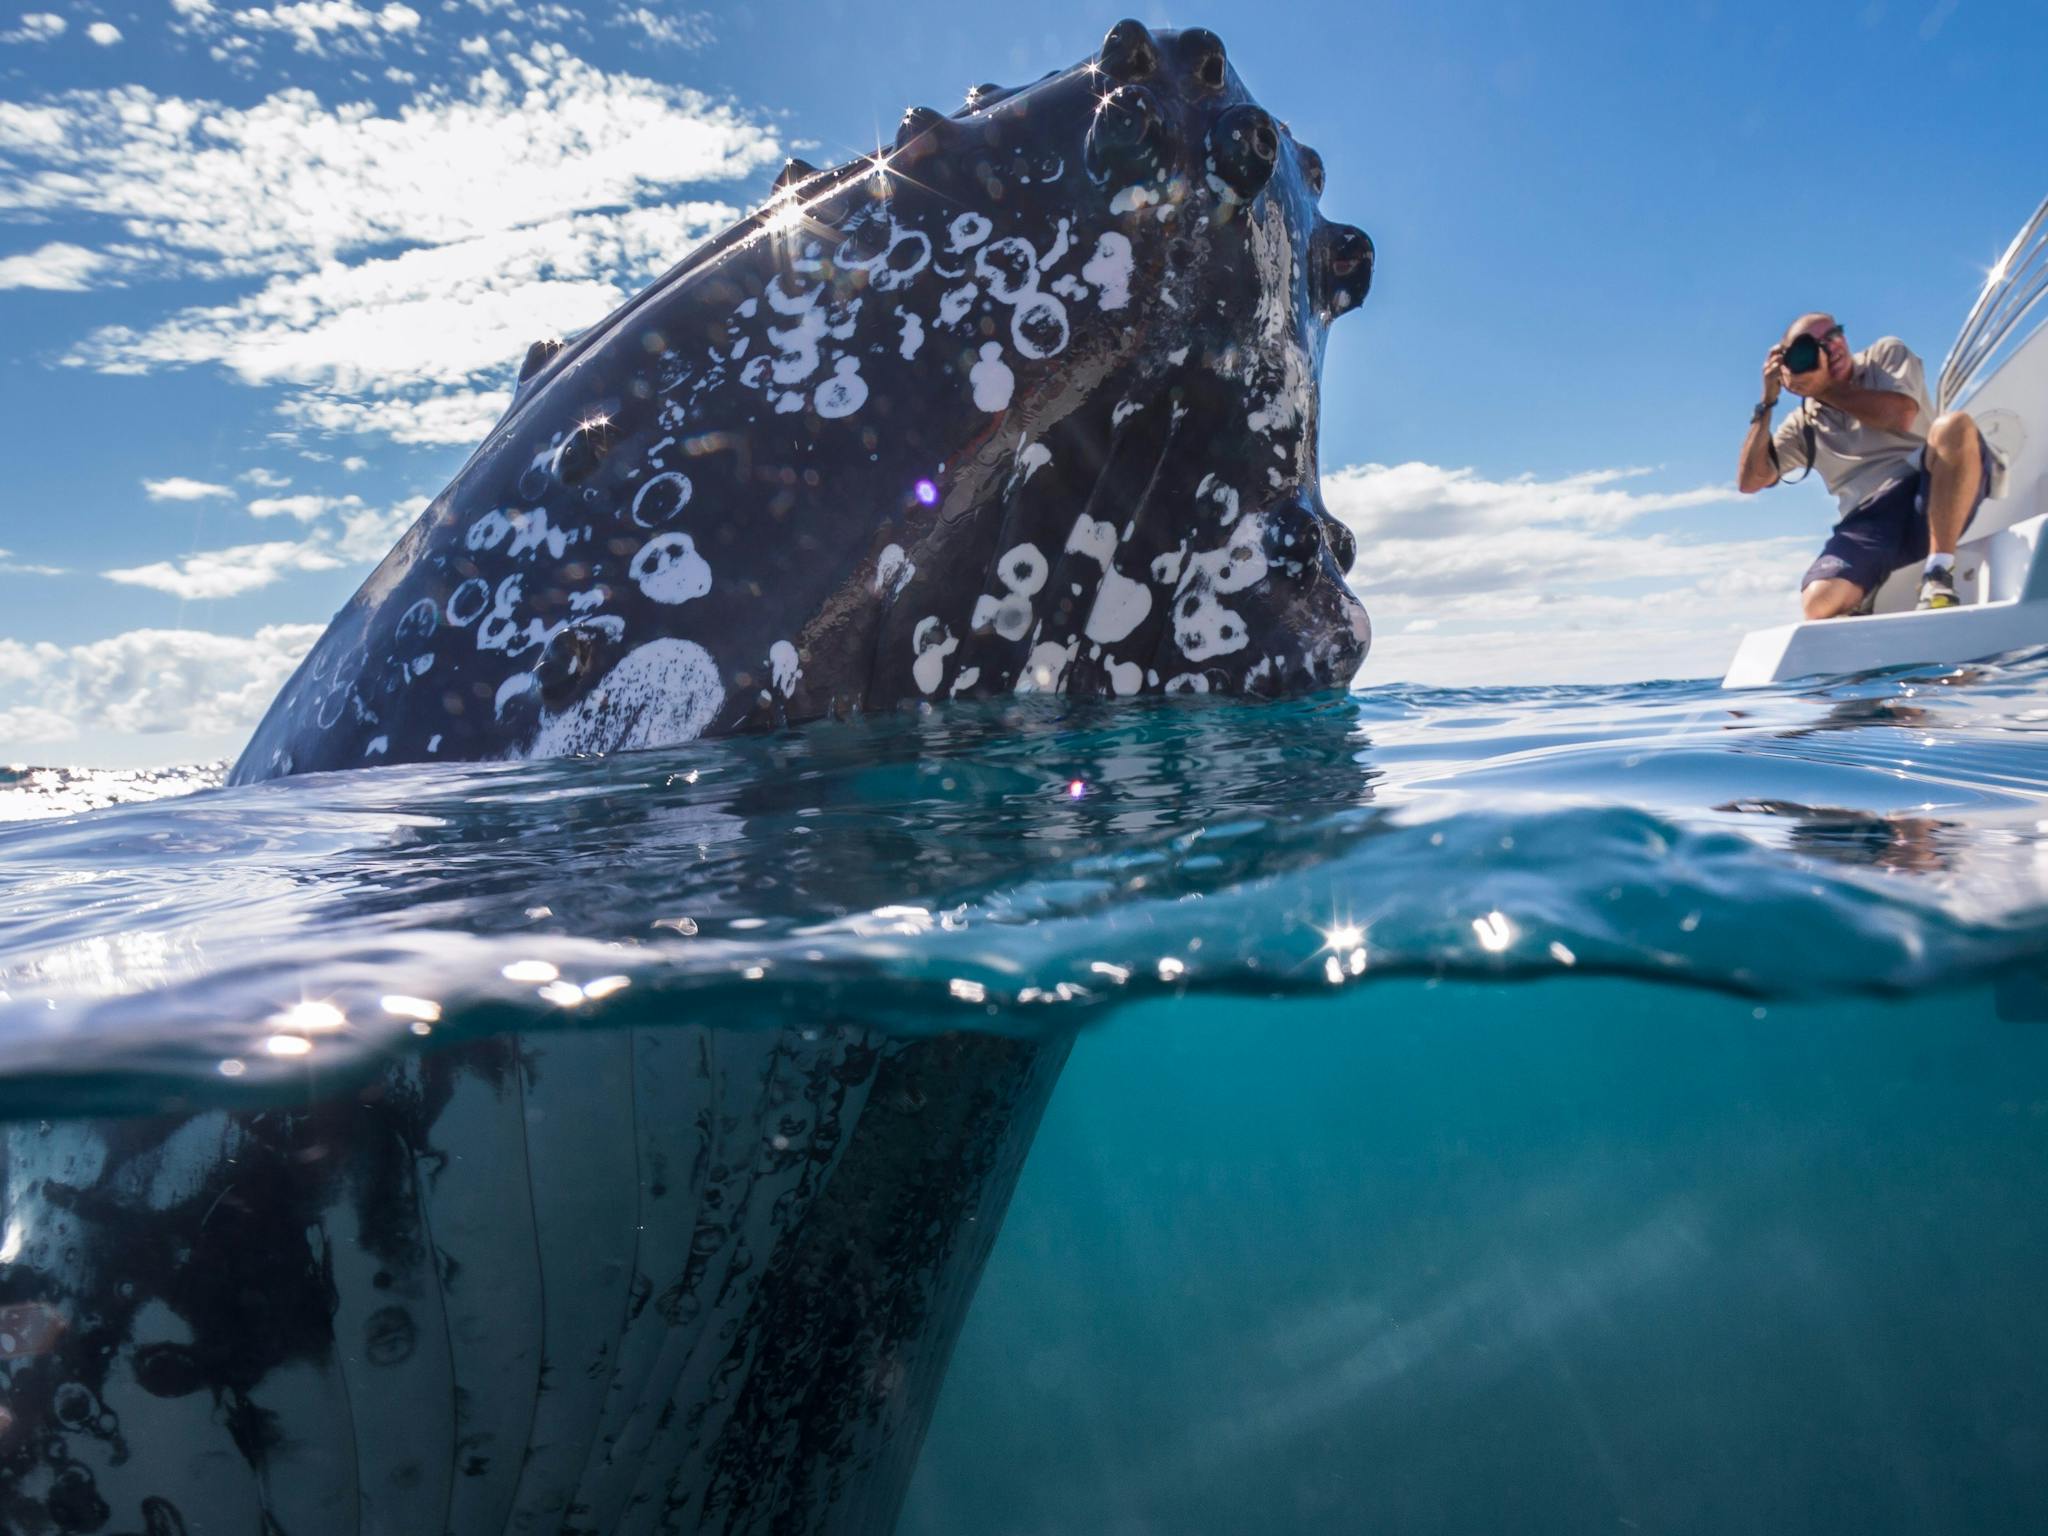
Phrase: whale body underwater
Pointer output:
(1026, 403)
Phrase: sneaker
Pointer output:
(1938, 590)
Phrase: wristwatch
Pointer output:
(1762, 411)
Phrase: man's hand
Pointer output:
(1814, 384)
(1774, 373)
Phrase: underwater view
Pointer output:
(1415, 1109)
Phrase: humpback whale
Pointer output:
(1026, 402)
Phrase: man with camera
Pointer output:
(1908, 482)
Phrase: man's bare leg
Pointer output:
(1830, 599)
(1955, 466)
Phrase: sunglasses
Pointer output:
(1804, 354)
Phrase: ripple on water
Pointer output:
(1021, 866)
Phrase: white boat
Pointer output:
(1998, 372)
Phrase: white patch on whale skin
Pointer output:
(1093, 538)
(1188, 682)
(1224, 496)
(1033, 458)
(1121, 605)
(1203, 627)
(967, 679)
(968, 231)
(1046, 669)
(992, 380)
(1125, 410)
(797, 343)
(1009, 266)
(673, 482)
(530, 531)
(1038, 326)
(913, 333)
(594, 597)
(931, 643)
(488, 531)
(1022, 570)
(1068, 286)
(1009, 616)
(842, 394)
(512, 688)
(1126, 677)
(664, 692)
(893, 570)
(885, 272)
(500, 629)
(784, 667)
(1130, 200)
(377, 746)
(1109, 269)
(668, 569)
(954, 306)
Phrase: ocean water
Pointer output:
(1561, 1109)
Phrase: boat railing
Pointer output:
(2015, 286)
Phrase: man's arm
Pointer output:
(1879, 408)
(1759, 468)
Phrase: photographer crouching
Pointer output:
(1908, 482)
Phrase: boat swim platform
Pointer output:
(2001, 578)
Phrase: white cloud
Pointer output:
(355, 534)
(304, 508)
(146, 681)
(355, 463)
(36, 27)
(457, 416)
(442, 315)
(228, 572)
(54, 268)
(105, 33)
(264, 479)
(1473, 581)
(514, 201)
(290, 183)
(314, 25)
(180, 488)
(673, 28)
(12, 567)
(367, 534)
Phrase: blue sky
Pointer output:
(265, 271)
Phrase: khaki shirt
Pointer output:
(1857, 461)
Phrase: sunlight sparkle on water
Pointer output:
(310, 1015)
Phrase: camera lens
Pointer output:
(1803, 355)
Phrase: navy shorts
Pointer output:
(1887, 531)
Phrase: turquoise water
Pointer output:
(1541, 1109)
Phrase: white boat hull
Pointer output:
(2001, 578)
